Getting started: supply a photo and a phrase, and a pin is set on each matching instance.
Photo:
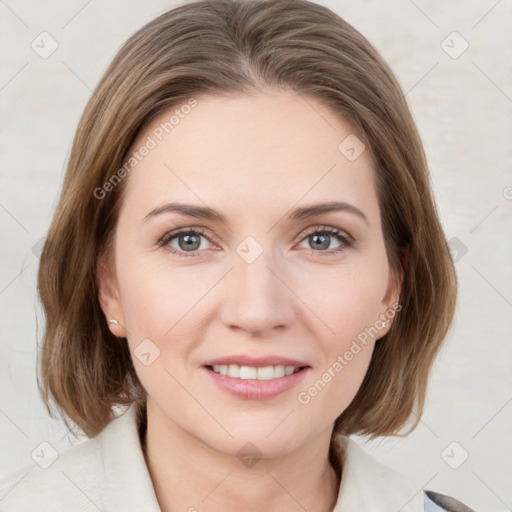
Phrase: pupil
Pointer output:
(325, 243)
(190, 240)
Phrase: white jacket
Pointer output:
(108, 473)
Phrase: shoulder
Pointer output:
(107, 472)
(71, 482)
(368, 485)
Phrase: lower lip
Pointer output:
(253, 389)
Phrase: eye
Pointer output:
(320, 240)
(188, 241)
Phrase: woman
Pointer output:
(247, 254)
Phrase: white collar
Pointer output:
(129, 485)
(366, 484)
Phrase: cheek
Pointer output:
(166, 306)
(158, 306)
(350, 310)
(155, 295)
(345, 300)
(348, 301)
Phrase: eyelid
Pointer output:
(170, 235)
(328, 229)
(337, 233)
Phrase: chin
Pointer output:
(255, 446)
(271, 439)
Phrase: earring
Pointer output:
(384, 323)
(113, 321)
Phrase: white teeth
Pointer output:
(248, 372)
(234, 370)
(251, 372)
(288, 370)
(266, 373)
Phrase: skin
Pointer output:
(252, 158)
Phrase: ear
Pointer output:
(108, 295)
(390, 302)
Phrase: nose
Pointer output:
(257, 299)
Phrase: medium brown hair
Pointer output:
(227, 47)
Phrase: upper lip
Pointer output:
(257, 362)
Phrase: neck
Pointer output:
(189, 475)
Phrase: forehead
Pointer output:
(274, 145)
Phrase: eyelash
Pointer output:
(346, 240)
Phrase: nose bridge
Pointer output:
(256, 299)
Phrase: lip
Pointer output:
(254, 389)
(257, 362)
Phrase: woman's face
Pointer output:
(260, 286)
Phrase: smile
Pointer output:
(251, 372)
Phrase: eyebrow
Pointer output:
(301, 213)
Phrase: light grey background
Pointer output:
(463, 107)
